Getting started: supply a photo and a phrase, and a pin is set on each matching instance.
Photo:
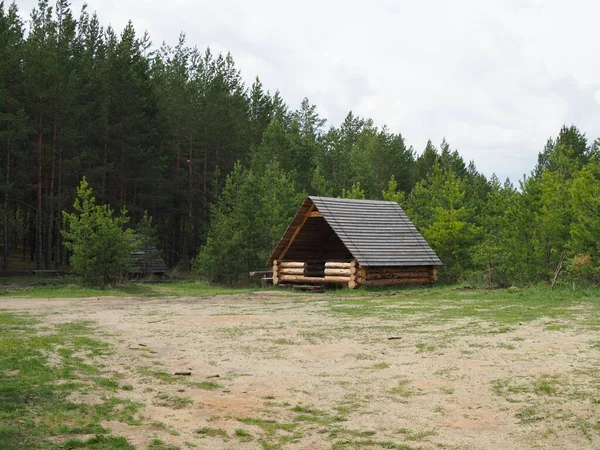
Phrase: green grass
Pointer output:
(40, 368)
(403, 389)
(157, 444)
(207, 385)
(99, 442)
(172, 401)
(502, 308)
(212, 432)
(368, 444)
(68, 288)
(380, 366)
(242, 435)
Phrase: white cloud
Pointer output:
(495, 78)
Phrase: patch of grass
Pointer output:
(69, 288)
(212, 432)
(161, 375)
(543, 385)
(157, 444)
(99, 442)
(172, 401)
(447, 391)
(416, 436)
(308, 414)
(207, 385)
(556, 327)
(380, 366)
(42, 369)
(269, 426)
(422, 348)
(506, 346)
(546, 385)
(368, 443)
(283, 341)
(595, 344)
(501, 308)
(363, 356)
(529, 415)
(336, 432)
(123, 410)
(242, 435)
(403, 389)
(106, 383)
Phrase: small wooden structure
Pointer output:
(352, 242)
(146, 261)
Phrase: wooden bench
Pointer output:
(267, 277)
(45, 272)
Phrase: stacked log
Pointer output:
(292, 265)
(315, 272)
(382, 276)
(337, 272)
(350, 273)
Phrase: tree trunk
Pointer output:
(57, 236)
(39, 218)
(50, 215)
(7, 170)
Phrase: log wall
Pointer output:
(382, 276)
(350, 273)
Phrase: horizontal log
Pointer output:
(333, 279)
(300, 278)
(384, 276)
(292, 264)
(291, 271)
(393, 281)
(337, 265)
(338, 272)
(424, 269)
(304, 279)
(352, 284)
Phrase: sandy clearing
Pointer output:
(433, 388)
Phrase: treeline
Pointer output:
(222, 167)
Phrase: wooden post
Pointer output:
(275, 272)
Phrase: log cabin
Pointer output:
(354, 243)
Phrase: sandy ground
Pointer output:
(455, 385)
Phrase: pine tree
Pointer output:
(101, 246)
(13, 120)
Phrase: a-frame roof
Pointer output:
(376, 233)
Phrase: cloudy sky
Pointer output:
(495, 77)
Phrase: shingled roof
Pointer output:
(376, 233)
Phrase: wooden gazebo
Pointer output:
(352, 242)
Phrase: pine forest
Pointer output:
(173, 133)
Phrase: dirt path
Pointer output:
(289, 373)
